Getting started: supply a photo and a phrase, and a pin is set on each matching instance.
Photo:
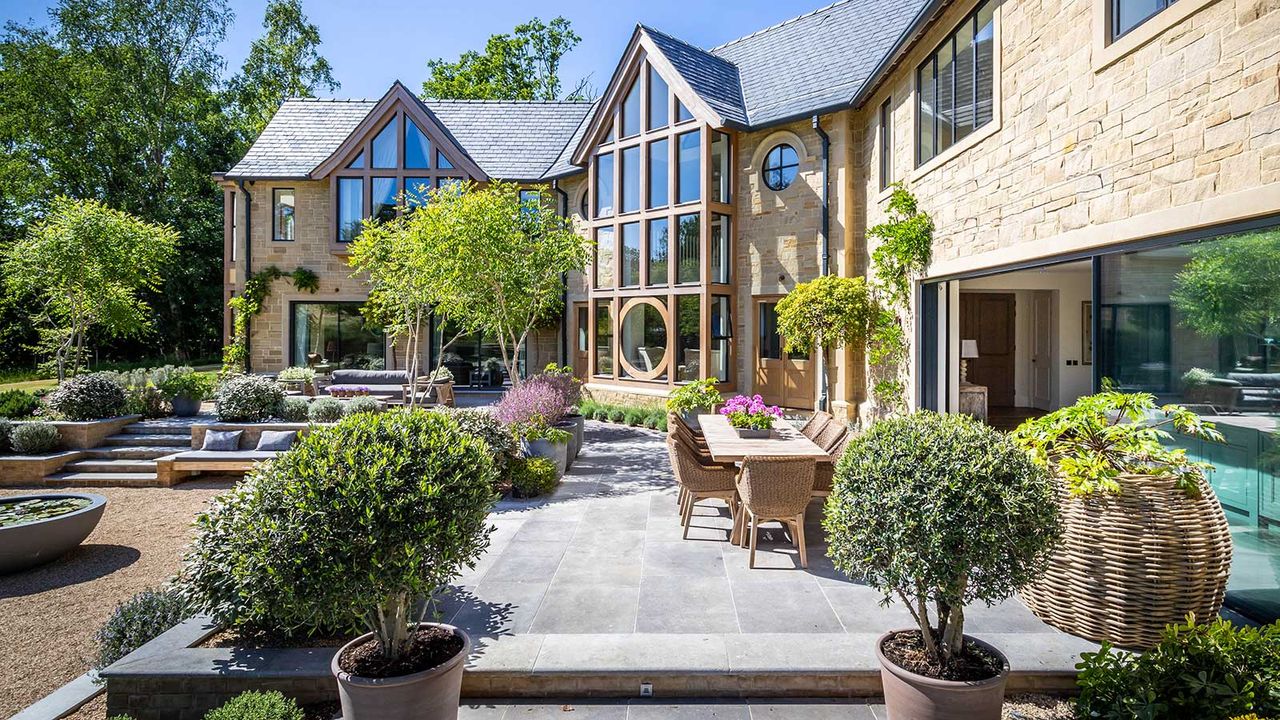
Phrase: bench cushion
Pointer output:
(370, 377)
(222, 440)
(276, 440)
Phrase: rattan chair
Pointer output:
(830, 435)
(816, 423)
(774, 489)
(825, 471)
(699, 481)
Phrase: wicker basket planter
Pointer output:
(1132, 562)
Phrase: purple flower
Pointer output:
(750, 412)
(531, 402)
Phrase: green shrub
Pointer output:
(694, 396)
(88, 397)
(295, 409)
(17, 404)
(633, 416)
(325, 410)
(942, 511)
(146, 401)
(484, 425)
(305, 374)
(34, 438)
(363, 404)
(137, 621)
(1212, 671)
(617, 414)
(185, 383)
(6, 434)
(533, 476)
(356, 521)
(255, 705)
(248, 398)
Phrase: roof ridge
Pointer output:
(778, 25)
(482, 101)
(682, 41)
(333, 100)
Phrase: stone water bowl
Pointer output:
(40, 541)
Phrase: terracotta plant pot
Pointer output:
(908, 696)
(428, 695)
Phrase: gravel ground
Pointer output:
(50, 613)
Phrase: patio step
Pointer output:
(129, 452)
(150, 427)
(126, 459)
(125, 465)
(103, 479)
(150, 440)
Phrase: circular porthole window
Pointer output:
(643, 345)
(780, 167)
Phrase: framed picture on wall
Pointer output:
(1086, 332)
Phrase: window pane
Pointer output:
(643, 343)
(658, 243)
(604, 185)
(384, 199)
(721, 332)
(985, 71)
(384, 147)
(924, 111)
(720, 175)
(358, 162)
(682, 112)
(630, 254)
(946, 108)
(688, 336)
(608, 137)
(689, 166)
(768, 342)
(604, 258)
(336, 334)
(630, 116)
(659, 193)
(1129, 14)
(442, 162)
(688, 251)
(604, 339)
(350, 208)
(445, 183)
(964, 80)
(417, 149)
(583, 330)
(720, 242)
(658, 100)
(630, 179)
(417, 191)
(283, 215)
(886, 143)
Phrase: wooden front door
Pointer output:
(781, 378)
(581, 339)
(989, 319)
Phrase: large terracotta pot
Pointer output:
(428, 695)
(908, 696)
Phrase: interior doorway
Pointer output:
(990, 318)
(782, 378)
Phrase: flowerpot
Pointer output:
(753, 433)
(431, 694)
(571, 451)
(579, 431)
(185, 406)
(908, 696)
(1132, 562)
(557, 453)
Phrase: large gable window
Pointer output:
(954, 85)
(417, 148)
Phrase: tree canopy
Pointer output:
(522, 65)
(1231, 285)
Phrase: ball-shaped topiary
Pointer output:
(248, 398)
(257, 705)
(346, 529)
(88, 397)
(34, 438)
(533, 476)
(295, 409)
(362, 404)
(325, 410)
(940, 510)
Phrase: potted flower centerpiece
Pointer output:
(185, 390)
(940, 511)
(750, 416)
(693, 399)
(1145, 541)
(301, 378)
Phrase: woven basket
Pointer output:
(1133, 562)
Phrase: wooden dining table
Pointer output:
(785, 440)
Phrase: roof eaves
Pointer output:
(908, 37)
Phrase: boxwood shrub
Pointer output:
(34, 438)
(295, 409)
(136, 622)
(248, 398)
(88, 397)
(325, 410)
(255, 705)
(533, 476)
(362, 404)
(18, 404)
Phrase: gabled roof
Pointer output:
(301, 135)
(714, 79)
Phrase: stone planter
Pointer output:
(428, 695)
(557, 453)
(753, 433)
(21, 470)
(916, 697)
(85, 434)
(35, 543)
(185, 406)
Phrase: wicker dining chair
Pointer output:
(825, 472)
(774, 489)
(830, 435)
(816, 423)
(699, 482)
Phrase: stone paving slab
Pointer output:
(765, 709)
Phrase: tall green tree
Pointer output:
(284, 63)
(522, 65)
(88, 266)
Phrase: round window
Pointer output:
(643, 341)
(780, 167)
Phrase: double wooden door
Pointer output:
(782, 378)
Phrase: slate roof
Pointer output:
(714, 79)
(301, 135)
(512, 140)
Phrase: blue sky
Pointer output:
(373, 42)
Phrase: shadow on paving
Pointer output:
(83, 564)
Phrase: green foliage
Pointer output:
(347, 529)
(941, 511)
(325, 410)
(537, 430)
(617, 413)
(295, 409)
(137, 621)
(533, 476)
(6, 434)
(146, 401)
(524, 65)
(1229, 285)
(18, 404)
(304, 374)
(482, 424)
(364, 404)
(694, 396)
(1213, 671)
(248, 398)
(88, 397)
(248, 304)
(1110, 434)
(186, 383)
(34, 438)
(284, 63)
(256, 705)
(1196, 377)
(828, 312)
(650, 417)
(89, 265)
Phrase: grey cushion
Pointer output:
(1268, 380)
(192, 455)
(222, 440)
(370, 377)
(276, 439)
(379, 390)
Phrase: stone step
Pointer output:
(103, 479)
(149, 440)
(130, 452)
(146, 428)
(124, 465)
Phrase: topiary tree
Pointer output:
(941, 511)
(825, 314)
(88, 397)
(248, 398)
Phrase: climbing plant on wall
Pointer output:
(248, 304)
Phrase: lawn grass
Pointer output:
(29, 385)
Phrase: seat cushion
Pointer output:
(370, 377)
(276, 440)
(222, 440)
(226, 455)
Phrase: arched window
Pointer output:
(780, 167)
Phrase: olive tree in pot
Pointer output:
(940, 511)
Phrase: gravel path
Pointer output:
(50, 613)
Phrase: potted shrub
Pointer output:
(303, 378)
(1145, 539)
(538, 439)
(694, 399)
(531, 410)
(750, 416)
(940, 511)
(186, 391)
(569, 387)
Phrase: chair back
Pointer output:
(815, 425)
(696, 474)
(837, 448)
(776, 487)
(831, 432)
(444, 394)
